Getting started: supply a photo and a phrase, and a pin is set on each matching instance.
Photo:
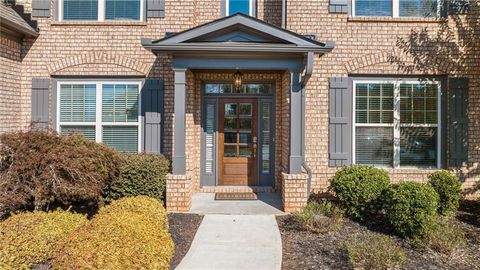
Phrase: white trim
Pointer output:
(396, 125)
(251, 7)
(98, 108)
(101, 12)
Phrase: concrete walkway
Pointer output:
(235, 242)
(267, 204)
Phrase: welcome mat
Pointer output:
(237, 196)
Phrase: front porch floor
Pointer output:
(266, 204)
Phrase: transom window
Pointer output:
(101, 10)
(396, 8)
(397, 123)
(105, 112)
(239, 6)
(244, 89)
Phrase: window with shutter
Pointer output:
(101, 10)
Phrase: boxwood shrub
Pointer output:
(358, 187)
(449, 189)
(118, 237)
(140, 174)
(40, 168)
(411, 208)
(28, 239)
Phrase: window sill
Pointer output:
(98, 23)
(396, 20)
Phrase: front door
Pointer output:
(237, 141)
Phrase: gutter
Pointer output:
(19, 28)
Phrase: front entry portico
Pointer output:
(244, 139)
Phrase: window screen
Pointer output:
(80, 9)
(418, 8)
(374, 145)
(120, 103)
(122, 10)
(374, 103)
(124, 139)
(77, 102)
(373, 8)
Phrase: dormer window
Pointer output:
(396, 8)
(240, 6)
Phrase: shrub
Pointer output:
(320, 217)
(140, 174)
(411, 208)
(140, 205)
(445, 237)
(28, 239)
(358, 188)
(39, 168)
(375, 251)
(117, 238)
(449, 189)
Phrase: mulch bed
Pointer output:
(182, 227)
(307, 250)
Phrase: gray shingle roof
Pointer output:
(9, 17)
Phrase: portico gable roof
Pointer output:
(237, 33)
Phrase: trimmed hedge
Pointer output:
(411, 208)
(358, 187)
(449, 189)
(117, 238)
(140, 174)
(40, 168)
(28, 239)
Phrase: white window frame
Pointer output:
(101, 12)
(396, 118)
(99, 124)
(250, 10)
(395, 10)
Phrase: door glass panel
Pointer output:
(246, 123)
(230, 151)
(245, 151)
(230, 137)
(245, 137)
(230, 124)
(245, 109)
(231, 109)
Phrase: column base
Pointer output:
(294, 192)
(179, 192)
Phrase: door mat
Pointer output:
(238, 196)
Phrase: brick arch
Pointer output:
(99, 58)
(390, 57)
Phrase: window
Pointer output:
(397, 123)
(245, 89)
(396, 8)
(240, 6)
(105, 112)
(101, 10)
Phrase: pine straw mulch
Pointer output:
(306, 250)
(183, 228)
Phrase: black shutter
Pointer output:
(155, 8)
(340, 125)
(458, 121)
(152, 97)
(41, 8)
(338, 6)
(40, 98)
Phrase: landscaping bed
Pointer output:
(182, 228)
(303, 249)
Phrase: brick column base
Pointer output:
(294, 191)
(179, 192)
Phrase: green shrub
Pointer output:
(449, 189)
(445, 237)
(358, 188)
(374, 251)
(411, 208)
(139, 204)
(320, 217)
(39, 168)
(28, 239)
(140, 174)
(117, 238)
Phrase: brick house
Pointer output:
(263, 95)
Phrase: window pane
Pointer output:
(87, 132)
(120, 103)
(418, 103)
(374, 103)
(122, 10)
(373, 7)
(124, 139)
(418, 8)
(80, 9)
(239, 6)
(374, 146)
(77, 102)
(418, 146)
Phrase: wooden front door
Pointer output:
(237, 141)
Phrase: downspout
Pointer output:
(303, 83)
(284, 14)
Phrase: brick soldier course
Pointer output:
(364, 46)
